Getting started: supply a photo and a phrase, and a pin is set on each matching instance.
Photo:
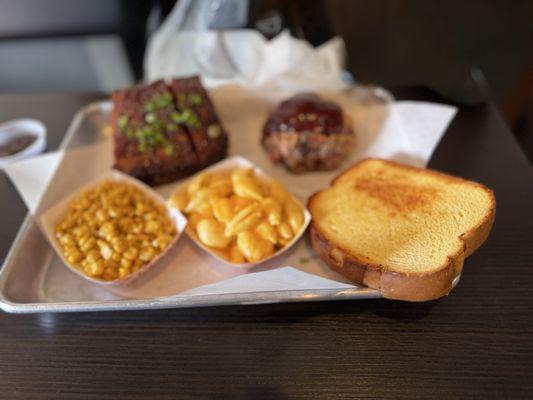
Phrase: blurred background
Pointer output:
(98, 45)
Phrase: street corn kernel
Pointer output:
(74, 257)
(110, 274)
(241, 215)
(137, 265)
(95, 268)
(162, 241)
(116, 257)
(120, 245)
(66, 240)
(125, 263)
(152, 226)
(106, 252)
(131, 254)
(112, 230)
(122, 272)
(88, 244)
(147, 253)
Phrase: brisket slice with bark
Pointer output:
(163, 132)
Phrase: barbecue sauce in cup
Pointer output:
(16, 144)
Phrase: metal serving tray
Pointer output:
(33, 278)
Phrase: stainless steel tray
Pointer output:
(33, 278)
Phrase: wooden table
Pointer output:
(477, 343)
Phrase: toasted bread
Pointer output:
(402, 230)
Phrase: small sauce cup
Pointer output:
(20, 139)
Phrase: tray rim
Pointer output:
(193, 301)
(177, 301)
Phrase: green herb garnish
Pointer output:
(150, 137)
(181, 100)
(171, 127)
(195, 99)
(150, 106)
(167, 97)
(178, 117)
(169, 149)
(122, 122)
(143, 147)
(187, 114)
(160, 101)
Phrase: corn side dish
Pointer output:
(112, 230)
(239, 215)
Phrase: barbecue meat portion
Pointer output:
(307, 133)
(163, 132)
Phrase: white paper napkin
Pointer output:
(245, 57)
(31, 176)
(412, 131)
(404, 131)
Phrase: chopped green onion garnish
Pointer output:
(122, 122)
(195, 99)
(169, 149)
(179, 117)
(181, 100)
(150, 106)
(150, 118)
(143, 147)
(161, 100)
(167, 97)
(172, 127)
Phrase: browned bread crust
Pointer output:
(393, 284)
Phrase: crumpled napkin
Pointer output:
(186, 44)
(245, 57)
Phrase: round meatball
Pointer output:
(307, 133)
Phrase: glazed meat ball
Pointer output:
(308, 133)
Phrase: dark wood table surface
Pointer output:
(476, 343)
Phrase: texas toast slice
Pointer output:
(402, 230)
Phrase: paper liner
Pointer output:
(227, 165)
(50, 218)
